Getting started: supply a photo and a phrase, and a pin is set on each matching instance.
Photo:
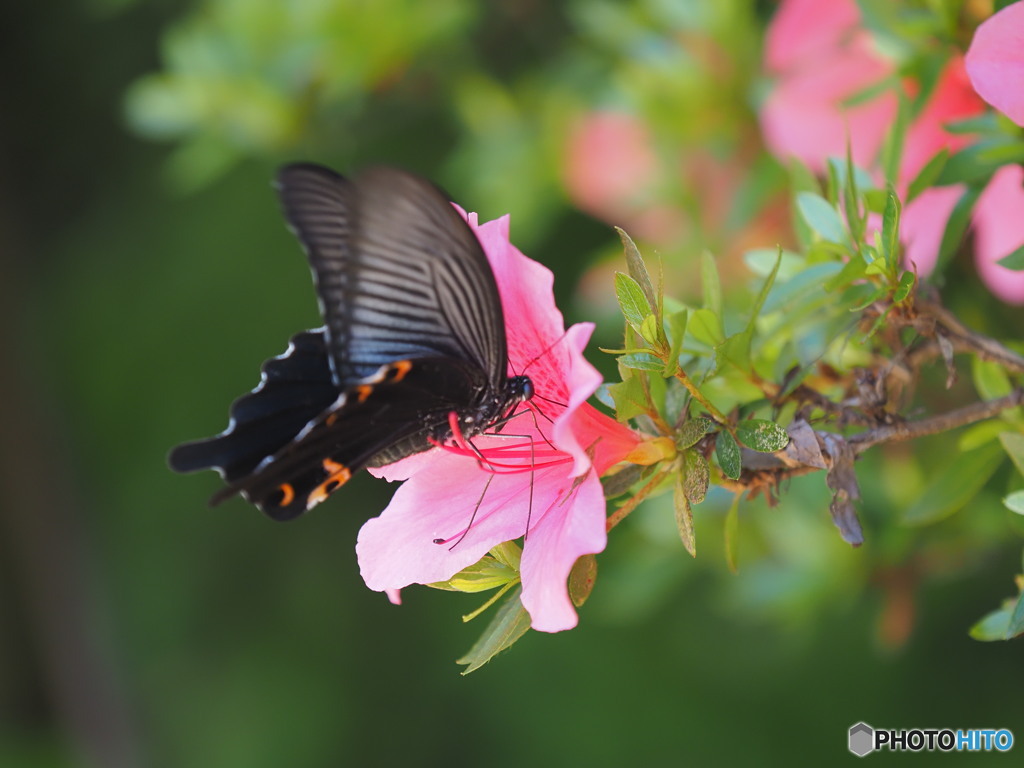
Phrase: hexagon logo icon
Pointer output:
(862, 739)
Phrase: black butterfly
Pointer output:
(413, 331)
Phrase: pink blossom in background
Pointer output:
(995, 61)
(998, 231)
(442, 488)
(611, 172)
(821, 57)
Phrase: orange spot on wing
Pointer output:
(287, 494)
(337, 476)
(399, 370)
(363, 391)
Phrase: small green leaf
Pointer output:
(907, 282)
(711, 285)
(1015, 502)
(1016, 626)
(732, 534)
(641, 361)
(993, 626)
(637, 269)
(821, 217)
(990, 379)
(510, 623)
(684, 518)
(891, 233)
(1014, 260)
(736, 349)
(479, 577)
(954, 484)
(631, 300)
(956, 226)
(1013, 444)
(927, 175)
(582, 578)
(705, 327)
(676, 334)
(695, 485)
(762, 295)
(892, 149)
(649, 331)
(693, 430)
(762, 435)
(630, 398)
(508, 553)
(728, 454)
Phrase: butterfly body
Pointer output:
(413, 344)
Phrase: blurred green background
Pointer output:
(143, 282)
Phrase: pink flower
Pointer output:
(995, 61)
(822, 58)
(543, 485)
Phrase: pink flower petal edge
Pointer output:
(995, 61)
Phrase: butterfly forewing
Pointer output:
(399, 274)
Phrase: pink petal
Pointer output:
(804, 116)
(397, 548)
(999, 230)
(923, 223)
(995, 61)
(953, 99)
(567, 530)
(805, 31)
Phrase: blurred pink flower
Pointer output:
(822, 58)
(995, 61)
(611, 170)
(546, 486)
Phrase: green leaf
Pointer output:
(762, 435)
(1016, 626)
(697, 477)
(736, 349)
(705, 327)
(892, 149)
(631, 300)
(956, 226)
(508, 553)
(993, 626)
(728, 454)
(1015, 502)
(684, 518)
(907, 282)
(809, 281)
(762, 295)
(990, 379)
(891, 233)
(649, 330)
(638, 270)
(711, 285)
(630, 398)
(486, 574)
(927, 175)
(510, 623)
(641, 361)
(954, 484)
(1014, 260)
(854, 269)
(693, 430)
(1013, 444)
(582, 578)
(732, 534)
(676, 335)
(821, 217)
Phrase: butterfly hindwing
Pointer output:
(294, 389)
(392, 412)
